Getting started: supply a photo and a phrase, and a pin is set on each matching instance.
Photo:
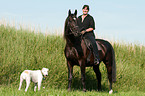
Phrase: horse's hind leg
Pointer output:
(70, 74)
(98, 75)
(109, 72)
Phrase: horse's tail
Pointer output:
(113, 66)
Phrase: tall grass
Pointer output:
(22, 49)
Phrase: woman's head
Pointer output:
(85, 9)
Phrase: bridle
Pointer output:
(73, 30)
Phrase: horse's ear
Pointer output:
(75, 12)
(69, 12)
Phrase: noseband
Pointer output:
(73, 29)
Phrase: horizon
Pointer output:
(114, 20)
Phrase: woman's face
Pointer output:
(85, 11)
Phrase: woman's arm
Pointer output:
(87, 30)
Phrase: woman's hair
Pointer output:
(86, 6)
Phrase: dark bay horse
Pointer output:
(77, 53)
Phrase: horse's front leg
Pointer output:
(70, 74)
(82, 66)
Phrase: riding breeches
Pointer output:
(94, 46)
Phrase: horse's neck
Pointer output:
(74, 40)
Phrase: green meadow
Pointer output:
(22, 49)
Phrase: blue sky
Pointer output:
(119, 20)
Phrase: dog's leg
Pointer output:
(21, 81)
(27, 83)
(39, 84)
(35, 87)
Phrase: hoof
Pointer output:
(84, 90)
(99, 90)
(111, 91)
(69, 89)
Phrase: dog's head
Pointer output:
(45, 71)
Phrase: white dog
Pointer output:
(35, 75)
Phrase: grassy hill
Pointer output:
(22, 49)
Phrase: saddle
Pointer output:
(89, 46)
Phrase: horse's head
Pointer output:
(71, 27)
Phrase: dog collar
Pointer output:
(42, 75)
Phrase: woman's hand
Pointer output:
(83, 32)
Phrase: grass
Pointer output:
(11, 91)
(22, 49)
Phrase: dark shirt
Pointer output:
(88, 22)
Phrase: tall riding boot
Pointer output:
(96, 55)
(96, 60)
(95, 50)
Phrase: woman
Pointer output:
(87, 25)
